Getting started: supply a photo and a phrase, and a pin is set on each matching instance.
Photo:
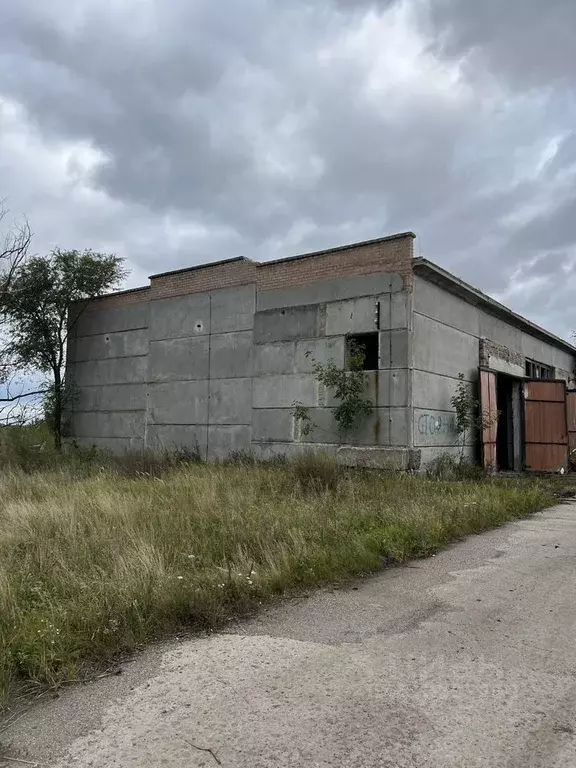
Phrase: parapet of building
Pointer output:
(216, 356)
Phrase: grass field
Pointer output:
(94, 562)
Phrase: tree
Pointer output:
(36, 307)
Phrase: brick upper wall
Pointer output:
(211, 277)
(120, 299)
(388, 254)
(393, 254)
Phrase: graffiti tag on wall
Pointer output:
(432, 424)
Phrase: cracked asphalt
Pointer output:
(464, 660)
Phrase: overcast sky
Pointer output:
(181, 131)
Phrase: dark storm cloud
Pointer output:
(266, 129)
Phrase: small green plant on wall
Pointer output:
(469, 416)
(347, 385)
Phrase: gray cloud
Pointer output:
(206, 131)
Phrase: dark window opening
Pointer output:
(362, 351)
(536, 370)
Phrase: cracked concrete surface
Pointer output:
(464, 660)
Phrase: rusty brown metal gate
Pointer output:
(489, 410)
(545, 425)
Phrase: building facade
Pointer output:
(214, 358)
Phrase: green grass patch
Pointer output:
(94, 563)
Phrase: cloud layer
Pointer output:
(181, 132)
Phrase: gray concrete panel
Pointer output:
(233, 309)
(287, 324)
(178, 402)
(122, 370)
(330, 290)
(166, 437)
(400, 309)
(497, 330)
(231, 355)
(230, 401)
(387, 388)
(223, 440)
(112, 320)
(352, 316)
(274, 358)
(539, 350)
(289, 451)
(378, 457)
(320, 351)
(284, 391)
(438, 348)
(438, 304)
(384, 426)
(178, 317)
(116, 397)
(272, 425)
(429, 454)
(437, 428)
(395, 349)
(179, 359)
(433, 391)
(103, 424)
(115, 445)
(109, 345)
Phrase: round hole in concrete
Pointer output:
(199, 327)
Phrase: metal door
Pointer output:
(545, 425)
(489, 411)
(571, 409)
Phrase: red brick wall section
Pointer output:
(121, 299)
(208, 278)
(387, 255)
(393, 254)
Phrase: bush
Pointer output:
(450, 467)
(315, 471)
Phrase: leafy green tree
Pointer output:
(36, 308)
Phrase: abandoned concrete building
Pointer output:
(214, 357)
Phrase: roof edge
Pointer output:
(459, 287)
(206, 265)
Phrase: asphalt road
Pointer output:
(465, 660)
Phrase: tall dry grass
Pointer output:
(93, 563)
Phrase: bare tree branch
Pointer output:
(24, 394)
(13, 248)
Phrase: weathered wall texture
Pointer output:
(452, 336)
(214, 357)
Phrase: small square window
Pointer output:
(362, 350)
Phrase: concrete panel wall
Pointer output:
(103, 346)
(112, 320)
(231, 355)
(299, 327)
(121, 370)
(108, 366)
(331, 290)
(179, 359)
(202, 352)
(180, 317)
(449, 335)
(178, 402)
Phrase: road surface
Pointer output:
(465, 660)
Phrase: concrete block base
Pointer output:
(369, 457)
